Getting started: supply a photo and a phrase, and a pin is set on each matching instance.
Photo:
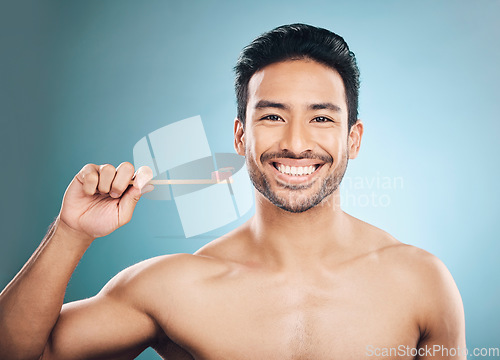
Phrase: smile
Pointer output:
(295, 170)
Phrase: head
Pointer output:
(296, 125)
(293, 42)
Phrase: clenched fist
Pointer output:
(100, 199)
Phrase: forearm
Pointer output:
(30, 304)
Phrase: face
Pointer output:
(296, 140)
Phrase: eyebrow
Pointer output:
(325, 106)
(263, 104)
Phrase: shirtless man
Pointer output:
(300, 280)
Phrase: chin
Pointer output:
(295, 208)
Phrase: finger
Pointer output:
(127, 204)
(124, 174)
(132, 195)
(147, 188)
(143, 175)
(107, 173)
(88, 177)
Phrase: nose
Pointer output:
(296, 138)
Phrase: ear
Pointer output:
(355, 136)
(239, 137)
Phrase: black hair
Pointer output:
(293, 42)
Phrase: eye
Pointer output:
(321, 119)
(272, 118)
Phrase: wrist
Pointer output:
(63, 230)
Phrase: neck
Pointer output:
(297, 240)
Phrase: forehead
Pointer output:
(297, 82)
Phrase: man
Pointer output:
(300, 280)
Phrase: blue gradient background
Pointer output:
(83, 81)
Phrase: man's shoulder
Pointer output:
(386, 246)
(414, 265)
(178, 270)
(415, 271)
(161, 277)
(420, 268)
(417, 279)
(168, 268)
(428, 275)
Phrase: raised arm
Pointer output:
(98, 201)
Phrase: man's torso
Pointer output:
(220, 304)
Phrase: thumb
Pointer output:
(130, 198)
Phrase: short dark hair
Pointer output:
(294, 42)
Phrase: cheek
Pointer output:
(332, 142)
(268, 138)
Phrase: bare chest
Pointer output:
(249, 319)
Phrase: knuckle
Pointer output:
(126, 166)
(88, 168)
(107, 168)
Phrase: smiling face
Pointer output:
(295, 138)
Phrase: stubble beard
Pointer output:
(296, 200)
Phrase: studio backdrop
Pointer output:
(87, 81)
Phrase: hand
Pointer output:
(100, 199)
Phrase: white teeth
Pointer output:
(296, 170)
